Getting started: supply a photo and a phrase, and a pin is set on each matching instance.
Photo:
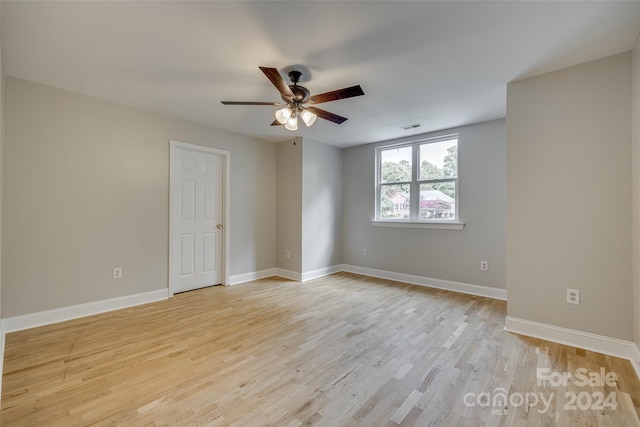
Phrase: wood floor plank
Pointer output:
(344, 350)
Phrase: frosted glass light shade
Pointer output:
(308, 117)
(283, 114)
(292, 123)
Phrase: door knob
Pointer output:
(219, 226)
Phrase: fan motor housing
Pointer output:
(300, 93)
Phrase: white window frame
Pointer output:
(414, 220)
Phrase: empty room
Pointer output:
(328, 213)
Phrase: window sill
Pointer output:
(450, 225)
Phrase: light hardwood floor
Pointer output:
(344, 350)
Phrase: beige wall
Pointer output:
(321, 206)
(309, 205)
(452, 255)
(569, 197)
(636, 191)
(87, 189)
(289, 205)
(1, 172)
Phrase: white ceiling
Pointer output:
(442, 64)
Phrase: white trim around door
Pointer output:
(226, 185)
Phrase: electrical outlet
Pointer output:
(287, 253)
(573, 296)
(484, 265)
(364, 252)
(117, 273)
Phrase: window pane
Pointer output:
(395, 165)
(395, 201)
(438, 200)
(439, 160)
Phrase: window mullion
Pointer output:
(415, 187)
(378, 201)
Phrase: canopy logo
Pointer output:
(500, 400)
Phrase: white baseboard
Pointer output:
(26, 321)
(288, 274)
(465, 288)
(635, 358)
(2, 340)
(308, 275)
(254, 275)
(321, 272)
(585, 340)
(17, 323)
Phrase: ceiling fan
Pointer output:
(296, 97)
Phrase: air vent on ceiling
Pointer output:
(413, 126)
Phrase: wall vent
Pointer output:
(413, 126)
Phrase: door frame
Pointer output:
(226, 214)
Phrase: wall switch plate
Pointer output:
(287, 253)
(484, 265)
(573, 296)
(364, 252)
(117, 273)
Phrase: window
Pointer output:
(418, 182)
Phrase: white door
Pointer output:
(196, 203)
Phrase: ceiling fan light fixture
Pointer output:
(308, 117)
(295, 97)
(283, 114)
(292, 123)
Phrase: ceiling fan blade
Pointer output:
(327, 115)
(276, 123)
(348, 92)
(251, 103)
(274, 76)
